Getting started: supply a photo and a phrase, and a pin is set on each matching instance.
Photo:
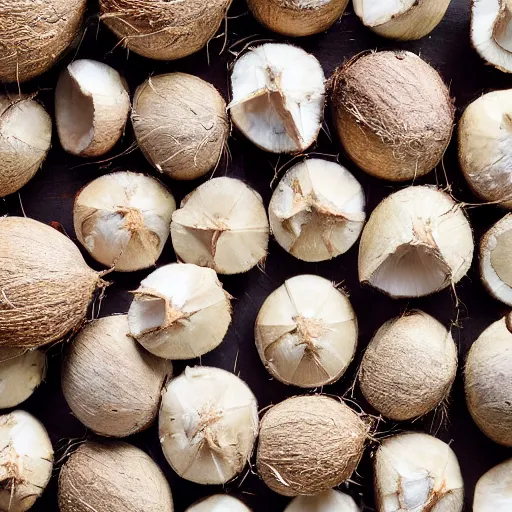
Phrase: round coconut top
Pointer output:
(219, 503)
(493, 491)
(327, 501)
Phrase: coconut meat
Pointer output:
(375, 13)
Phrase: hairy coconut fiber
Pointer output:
(45, 284)
(34, 34)
(219, 503)
(112, 385)
(25, 138)
(180, 124)
(163, 29)
(488, 381)
(309, 444)
(393, 114)
(409, 366)
(26, 461)
(113, 477)
(493, 491)
(297, 17)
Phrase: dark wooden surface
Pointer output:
(49, 197)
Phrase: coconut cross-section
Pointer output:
(180, 311)
(306, 332)
(416, 242)
(278, 97)
(208, 425)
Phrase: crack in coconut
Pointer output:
(491, 32)
(278, 97)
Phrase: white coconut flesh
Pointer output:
(278, 97)
(91, 107)
(219, 503)
(416, 242)
(327, 501)
(180, 311)
(493, 491)
(208, 424)
(495, 260)
(491, 32)
(317, 210)
(306, 332)
(123, 219)
(416, 472)
(374, 13)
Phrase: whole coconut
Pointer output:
(309, 444)
(493, 491)
(113, 477)
(34, 34)
(45, 284)
(163, 29)
(393, 114)
(180, 124)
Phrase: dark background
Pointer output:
(49, 197)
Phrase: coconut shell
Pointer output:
(25, 138)
(163, 30)
(112, 385)
(309, 444)
(327, 501)
(488, 382)
(34, 34)
(219, 503)
(296, 17)
(45, 283)
(493, 491)
(180, 124)
(393, 114)
(113, 477)
(409, 366)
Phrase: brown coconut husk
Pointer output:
(45, 284)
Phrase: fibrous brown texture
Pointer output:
(488, 382)
(110, 382)
(393, 114)
(297, 17)
(25, 138)
(164, 29)
(34, 33)
(409, 366)
(45, 284)
(113, 477)
(309, 444)
(181, 124)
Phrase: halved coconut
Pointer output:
(417, 242)
(493, 491)
(278, 97)
(491, 32)
(405, 20)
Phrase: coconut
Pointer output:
(306, 332)
(91, 107)
(25, 138)
(180, 311)
(493, 491)
(26, 461)
(417, 242)
(223, 225)
(278, 97)
(297, 17)
(409, 366)
(488, 378)
(406, 20)
(491, 32)
(416, 472)
(393, 114)
(112, 476)
(34, 34)
(123, 220)
(317, 210)
(45, 284)
(485, 147)
(181, 125)
(327, 501)
(208, 424)
(309, 444)
(111, 384)
(20, 376)
(163, 30)
(219, 503)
